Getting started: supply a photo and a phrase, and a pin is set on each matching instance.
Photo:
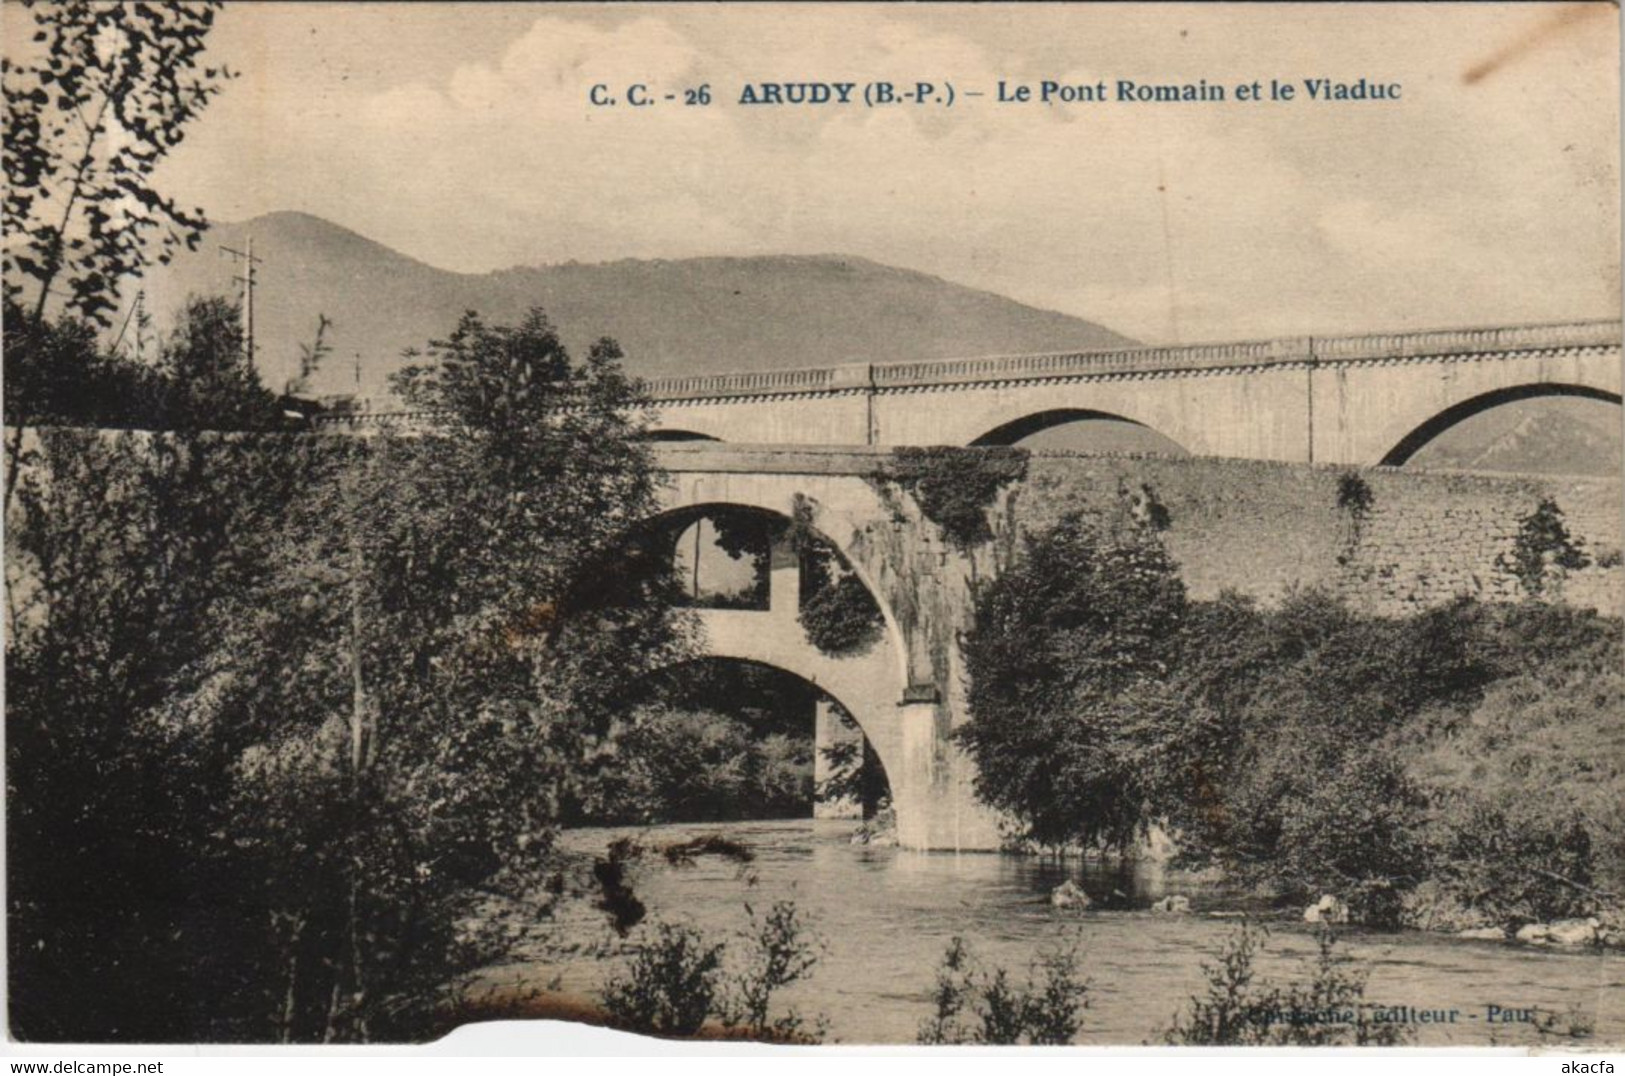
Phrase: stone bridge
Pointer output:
(1291, 416)
(1365, 399)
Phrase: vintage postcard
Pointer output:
(918, 524)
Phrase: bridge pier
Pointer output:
(913, 785)
(937, 808)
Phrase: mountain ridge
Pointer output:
(673, 317)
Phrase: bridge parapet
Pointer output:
(366, 420)
(1236, 355)
(1242, 355)
(748, 383)
(1447, 342)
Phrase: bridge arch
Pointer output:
(678, 435)
(1027, 425)
(825, 720)
(890, 687)
(869, 681)
(1412, 442)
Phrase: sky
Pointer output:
(462, 135)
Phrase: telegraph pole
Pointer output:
(248, 278)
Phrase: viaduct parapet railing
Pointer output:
(1239, 356)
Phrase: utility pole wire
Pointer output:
(135, 309)
(246, 259)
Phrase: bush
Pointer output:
(337, 680)
(1327, 1010)
(840, 617)
(671, 985)
(678, 981)
(1354, 833)
(955, 486)
(781, 953)
(667, 766)
(1047, 1012)
(1543, 551)
(1514, 861)
(1070, 724)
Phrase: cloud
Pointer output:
(1470, 201)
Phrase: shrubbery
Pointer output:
(854, 772)
(1067, 659)
(840, 617)
(684, 766)
(679, 980)
(1307, 749)
(837, 611)
(955, 486)
(700, 741)
(981, 1006)
(1238, 1009)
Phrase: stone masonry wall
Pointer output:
(1262, 528)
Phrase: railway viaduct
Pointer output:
(1368, 399)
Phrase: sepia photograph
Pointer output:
(929, 524)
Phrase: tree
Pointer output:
(205, 380)
(442, 625)
(126, 914)
(1067, 658)
(94, 103)
(57, 374)
(331, 688)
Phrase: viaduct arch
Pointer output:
(1015, 430)
(1414, 441)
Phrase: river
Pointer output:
(885, 918)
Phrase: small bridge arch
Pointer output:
(667, 435)
(829, 731)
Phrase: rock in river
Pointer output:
(1069, 895)
(1328, 909)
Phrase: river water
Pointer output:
(885, 918)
